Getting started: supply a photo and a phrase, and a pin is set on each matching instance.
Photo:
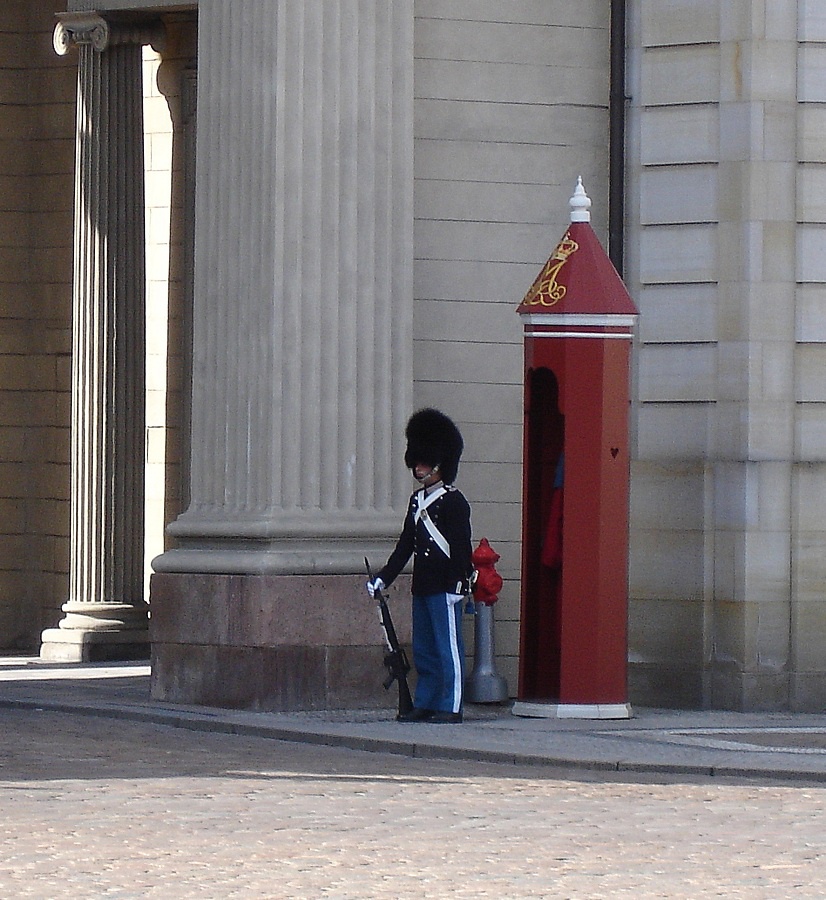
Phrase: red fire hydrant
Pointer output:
(488, 581)
(485, 684)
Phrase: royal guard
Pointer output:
(436, 533)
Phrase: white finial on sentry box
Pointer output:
(580, 204)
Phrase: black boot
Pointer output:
(417, 714)
(445, 718)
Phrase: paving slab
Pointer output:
(98, 807)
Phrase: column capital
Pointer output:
(91, 28)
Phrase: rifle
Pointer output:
(395, 660)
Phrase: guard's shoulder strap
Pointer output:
(423, 499)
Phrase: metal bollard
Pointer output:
(485, 684)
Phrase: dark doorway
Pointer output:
(539, 653)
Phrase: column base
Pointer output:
(539, 710)
(271, 642)
(98, 632)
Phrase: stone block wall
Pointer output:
(725, 236)
(511, 105)
(808, 618)
(36, 190)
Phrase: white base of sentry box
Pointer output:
(539, 710)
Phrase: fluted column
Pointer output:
(106, 614)
(302, 331)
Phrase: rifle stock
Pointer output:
(395, 660)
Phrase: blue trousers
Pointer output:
(438, 651)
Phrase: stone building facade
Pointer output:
(329, 220)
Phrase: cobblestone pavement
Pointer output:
(106, 808)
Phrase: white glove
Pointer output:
(375, 585)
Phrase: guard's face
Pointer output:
(426, 475)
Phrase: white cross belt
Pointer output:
(423, 500)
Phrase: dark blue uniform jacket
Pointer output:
(433, 572)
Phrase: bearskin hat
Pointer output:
(434, 439)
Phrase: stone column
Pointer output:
(302, 324)
(106, 616)
(302, 351)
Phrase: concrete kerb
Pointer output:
(645, 748)
(416, 749)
